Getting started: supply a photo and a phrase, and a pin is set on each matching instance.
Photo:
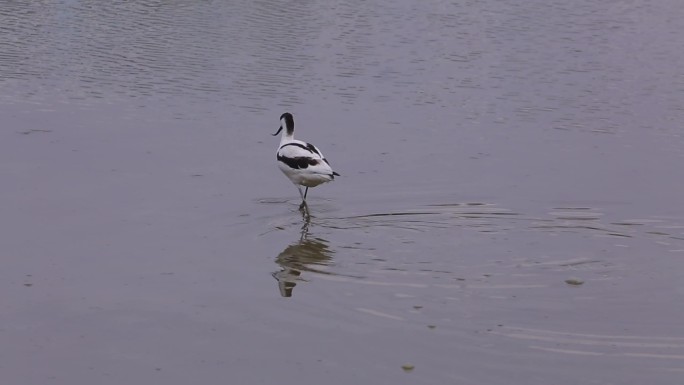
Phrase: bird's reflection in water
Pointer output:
(305, 255)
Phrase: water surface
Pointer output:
(510, 210)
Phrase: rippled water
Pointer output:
(510, 210)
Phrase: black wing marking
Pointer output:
(299, 162)
(308, 147)
(328, 163)
(312, 148)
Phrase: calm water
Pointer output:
(490, 153)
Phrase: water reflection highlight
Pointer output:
(306, 255)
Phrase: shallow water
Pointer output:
(510, 210)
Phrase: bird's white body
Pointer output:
(313, 174)
(303, 163)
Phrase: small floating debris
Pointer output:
(574, 281)
(407, 367)
(431, 327)
(32, 131)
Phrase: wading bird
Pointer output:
(302, 162)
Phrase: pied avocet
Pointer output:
(302, 162)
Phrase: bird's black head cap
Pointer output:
(289, 123)
(289, 120)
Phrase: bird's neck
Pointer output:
(286, 138)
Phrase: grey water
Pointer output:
(510, 210)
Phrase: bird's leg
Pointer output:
(302, 206)
(305, 191)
